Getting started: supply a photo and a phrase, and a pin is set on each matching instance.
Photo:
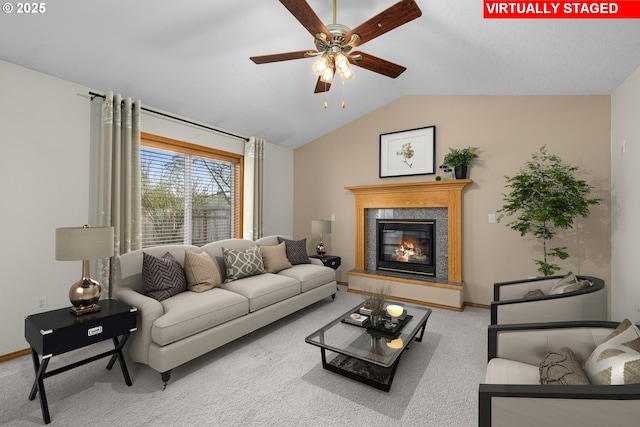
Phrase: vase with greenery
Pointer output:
(460, 159)
(545, 196)
(375, 300)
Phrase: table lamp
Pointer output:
(321, 227)
(84, 244)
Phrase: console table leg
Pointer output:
(38, 384)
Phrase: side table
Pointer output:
(332, 261)
(58, 331)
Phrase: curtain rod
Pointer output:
(94, 95)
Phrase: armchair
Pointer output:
(512, 394)
(510, 305)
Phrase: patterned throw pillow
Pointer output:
(275, 258)
(241, 264)
(561, 367)
(616, 360)
(568, 280)
(534, 294)
(296, 251)
(162, 277)
(201, 271)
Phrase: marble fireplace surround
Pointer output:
(446, 194)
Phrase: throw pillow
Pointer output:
(275, 258)
(617, 359)
(201, 271)
(568, 280)
(162, 277)
(534, 293)
(241, 264)
(296, 250)
(561, 367)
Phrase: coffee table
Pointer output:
(368, 355)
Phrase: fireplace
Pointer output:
(406, 245)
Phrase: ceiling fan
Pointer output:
(334, 42)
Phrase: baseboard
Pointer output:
(477, 305)
(14, 355)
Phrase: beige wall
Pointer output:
(507, 130)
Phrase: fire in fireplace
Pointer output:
(406, 245)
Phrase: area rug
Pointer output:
(410, 372)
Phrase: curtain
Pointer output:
(119, 179)
(253, 221)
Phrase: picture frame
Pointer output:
(408, 152)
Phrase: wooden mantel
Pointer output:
(432, 194)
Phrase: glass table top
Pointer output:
(369, 345)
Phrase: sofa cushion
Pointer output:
(201, 272)
(244, 263)
(506, 371)
(561, 367)
(264, 289)
(310, 275)
(296, 250)
(617, 359)
(162, 277)
(188, 313)
(275, 258)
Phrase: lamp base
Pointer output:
(321, 250)
(79, 311)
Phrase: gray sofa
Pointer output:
(510, 305)
(180, 328)
(513, 396)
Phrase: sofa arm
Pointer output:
(530, 342)
(149, 310)
(553, 405)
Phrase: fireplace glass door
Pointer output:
(406, 246)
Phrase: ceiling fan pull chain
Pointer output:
(343, 103)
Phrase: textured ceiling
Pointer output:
(192, 58)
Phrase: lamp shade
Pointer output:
(83, 243)
(321, 227)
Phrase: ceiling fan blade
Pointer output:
(264, 59)
(301, 10)
(393, 17)
(322, 86)
(377, 65)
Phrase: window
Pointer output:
(190, 194)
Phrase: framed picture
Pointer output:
(408, 152)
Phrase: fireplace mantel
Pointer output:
(432, 194)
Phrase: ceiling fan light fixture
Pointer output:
(342, 65)
(327, 74)
(320, 66)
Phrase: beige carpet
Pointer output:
(271, 377)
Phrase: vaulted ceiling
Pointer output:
(192, 58)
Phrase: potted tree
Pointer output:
(545, 197)
(460, 159)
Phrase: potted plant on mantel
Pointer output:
(460, 159)
(546, 196)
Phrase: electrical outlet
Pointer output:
(492, 218)
(41, 303)
(333, 217)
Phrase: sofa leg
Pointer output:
(333, 296)
(166, 376)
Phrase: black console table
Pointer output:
(58, 331)
(329, 260)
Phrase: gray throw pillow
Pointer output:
(534, 293)
(561, 367)
(296, 251)
(241, 264)
(162, 277)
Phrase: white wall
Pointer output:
(625, 200)
(45, 173)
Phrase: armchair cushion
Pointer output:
(617, 359)
(568, 280)
(562, 367)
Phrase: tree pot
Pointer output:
(461, 171)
